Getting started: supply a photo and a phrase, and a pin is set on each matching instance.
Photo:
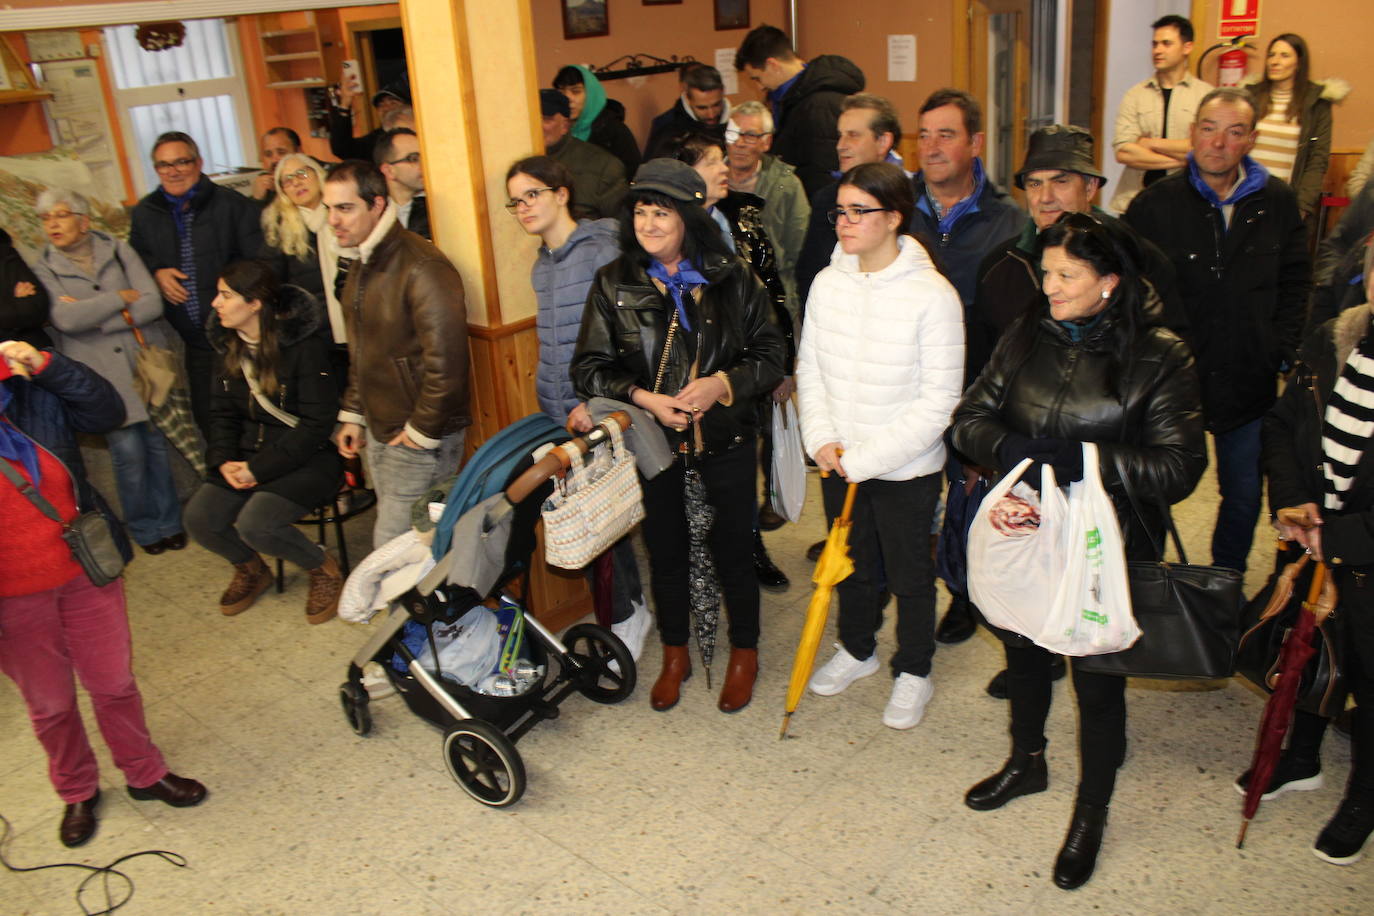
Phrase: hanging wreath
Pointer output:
(159, 36)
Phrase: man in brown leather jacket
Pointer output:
(407, 395)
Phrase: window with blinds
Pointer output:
(196, 88)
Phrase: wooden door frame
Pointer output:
(970, 60)
(360, 39)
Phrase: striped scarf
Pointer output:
(1348, 423)
(183, 217)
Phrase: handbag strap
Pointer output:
(39, 501)
(1140, 514)
(250, 375)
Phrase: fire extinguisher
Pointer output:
(1231, 67)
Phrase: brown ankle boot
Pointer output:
(677, 667)
(326, 582)
(739, 680)
(251, 579)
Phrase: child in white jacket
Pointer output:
(879, 373)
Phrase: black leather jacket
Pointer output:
(1061, 392)
(626, 321)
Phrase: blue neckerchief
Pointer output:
(775, 96)
(181, 214)
(958, 211)
(1079, 330)
(683, 282)
(14, 445)
(1256, 177)
(725, 228)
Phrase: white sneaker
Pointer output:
(841, 671)
(634, 628)
(375, 682)
(910, 694)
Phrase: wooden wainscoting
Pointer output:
(502, 369)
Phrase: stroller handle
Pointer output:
(556, 461)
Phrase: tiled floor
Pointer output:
(632, 811)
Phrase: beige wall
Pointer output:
(1338, 34)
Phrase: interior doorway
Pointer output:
(381, 48)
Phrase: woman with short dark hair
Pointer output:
(1087, 366)
(679, 326)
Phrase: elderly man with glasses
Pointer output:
(185, 231)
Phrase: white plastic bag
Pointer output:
(1016, 552)
(468, 648)
(1092, 613)
(787, 492)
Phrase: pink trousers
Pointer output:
(76, 627)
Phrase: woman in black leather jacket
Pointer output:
(1086, 367)
(1319, 458)
(680, 327)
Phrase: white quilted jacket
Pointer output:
(881, 364)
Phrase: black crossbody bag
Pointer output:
(88, 535)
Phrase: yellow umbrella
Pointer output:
(832, 568)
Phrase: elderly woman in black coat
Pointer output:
(1088, 365)
(270, 457)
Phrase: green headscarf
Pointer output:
(592, 105)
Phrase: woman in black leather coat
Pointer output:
(680, 327)
(1086, 367)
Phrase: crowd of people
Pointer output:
(933, 333)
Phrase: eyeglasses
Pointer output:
(413, 159)
(735, 135)
(852, 214)
(55, 215)
(299, 175)
(176, 165)
(528, 199)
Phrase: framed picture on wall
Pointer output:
(585, 19)
(732, 14)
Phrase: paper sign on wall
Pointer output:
(901, 58)
(725, 63)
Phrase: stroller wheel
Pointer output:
(354, 700)
(482, 760)
(592, 650)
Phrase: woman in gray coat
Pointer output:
(92, 279)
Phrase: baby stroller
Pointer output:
(502, 483)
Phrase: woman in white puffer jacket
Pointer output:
(879, 373)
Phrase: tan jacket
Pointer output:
(407, 339)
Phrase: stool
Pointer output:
(326, 514)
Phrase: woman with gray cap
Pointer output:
(680, 327)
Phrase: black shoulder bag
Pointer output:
(1189, 616)
(88, 535)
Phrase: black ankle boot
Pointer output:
(1078, 856)
(1022, 774)
(767, 572)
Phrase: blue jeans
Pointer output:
(144, 481)
(401, 475)
(1238, 480)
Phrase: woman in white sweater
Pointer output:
(879, 372)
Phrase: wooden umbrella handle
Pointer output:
(129, 320)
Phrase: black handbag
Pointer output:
(1189, 616)
(1265, 627)
(89, 535)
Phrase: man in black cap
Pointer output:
(598, 177)
(342, 143)
(1059, 175)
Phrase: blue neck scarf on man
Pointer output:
(1256, 177)
(957, 212)
(679, 285)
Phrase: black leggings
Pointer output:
(1101, 718)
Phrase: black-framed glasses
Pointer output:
(735, 135)
(176, 165)
(852, 214)
(412, 159)
(527, 199)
